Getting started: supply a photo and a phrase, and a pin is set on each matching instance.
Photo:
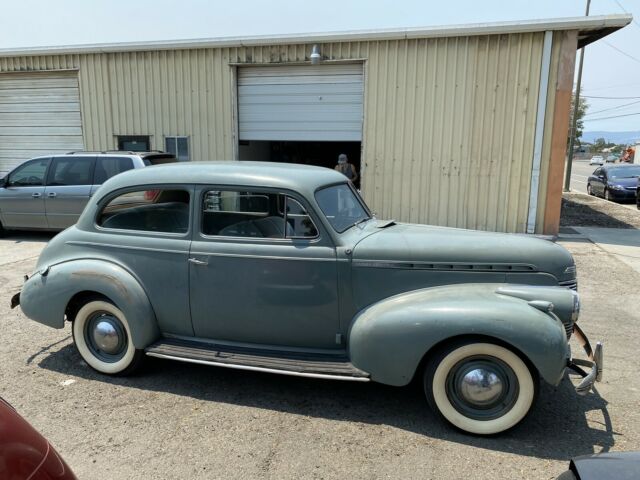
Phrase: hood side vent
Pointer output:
(475, 267)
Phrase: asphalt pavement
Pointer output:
(176, 420)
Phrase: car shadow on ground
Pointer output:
(557, 427)
(20, 237)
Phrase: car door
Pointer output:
(596, 181)
(107, 167)
(22, 198)
(260, 270)
(68, 189)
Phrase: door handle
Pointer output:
(52, 194)
(195, 261)
(36, 195)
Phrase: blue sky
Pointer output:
(607, 71)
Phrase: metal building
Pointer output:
(462, 126)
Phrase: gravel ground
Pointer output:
(580, 210)
(186, 421)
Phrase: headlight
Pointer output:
(575, 311)
(616, 187)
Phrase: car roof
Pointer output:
(303, 178)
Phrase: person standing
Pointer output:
(346, 168)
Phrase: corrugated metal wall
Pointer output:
(448, 123)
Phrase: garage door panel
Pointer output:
(30, 131)
(298, 89)
(38, 119)
(322, 103)
(39, 107)
(308, 136)
(39, 115)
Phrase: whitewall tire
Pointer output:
(481, 388)
(102, 336)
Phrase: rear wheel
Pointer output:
(102, 336)
(481, 388)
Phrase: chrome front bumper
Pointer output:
(595, 362)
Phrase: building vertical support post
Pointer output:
(539, 132)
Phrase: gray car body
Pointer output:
(385, 294)
(50, 207)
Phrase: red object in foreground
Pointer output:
(24, 453)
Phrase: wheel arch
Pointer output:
(59, 290)
(393, 338)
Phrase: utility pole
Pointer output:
(576, 103)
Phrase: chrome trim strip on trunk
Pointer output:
(261, 369)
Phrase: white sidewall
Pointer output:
(79, 323)
(483, 427)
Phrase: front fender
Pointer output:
(45, 296)
(390, 338)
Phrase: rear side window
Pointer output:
(107, 167)
(255, 214)
(165, 211)
(71, 171)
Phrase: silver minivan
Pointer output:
(50, 192)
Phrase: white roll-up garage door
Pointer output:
(39, 115)
(306, 102)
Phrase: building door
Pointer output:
(301, 103)
(307, 114)
(39, 115)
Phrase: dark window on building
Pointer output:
(71, 171)
(164, 211)
(134, 143)
(178, 146)
(107, 167)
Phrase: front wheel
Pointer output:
(589, 189)
(102, 336)
(607, 195)
(481, 388)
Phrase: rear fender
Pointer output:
(45, 296)
(390, 338)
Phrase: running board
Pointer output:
(301, 364)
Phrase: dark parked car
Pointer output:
(614, 182)
(50, 192)
(24, 453)
(604, 466)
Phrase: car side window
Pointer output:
(71, 171)
(235, 213)
(107, 167)
(29, 174)
(165, 211)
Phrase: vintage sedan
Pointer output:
(282, 268)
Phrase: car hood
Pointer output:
(625, 182)
(466, 249)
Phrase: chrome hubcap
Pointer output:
(106, 337)
(481, 387)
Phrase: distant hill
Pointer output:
(614, 137)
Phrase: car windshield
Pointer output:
(342, 206)
(625, 172)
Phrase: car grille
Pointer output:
(572, 284)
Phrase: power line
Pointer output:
(625, 11)
(620, 51)
(610, 98)
(609, 87)
(612, 108)
(614, 116)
